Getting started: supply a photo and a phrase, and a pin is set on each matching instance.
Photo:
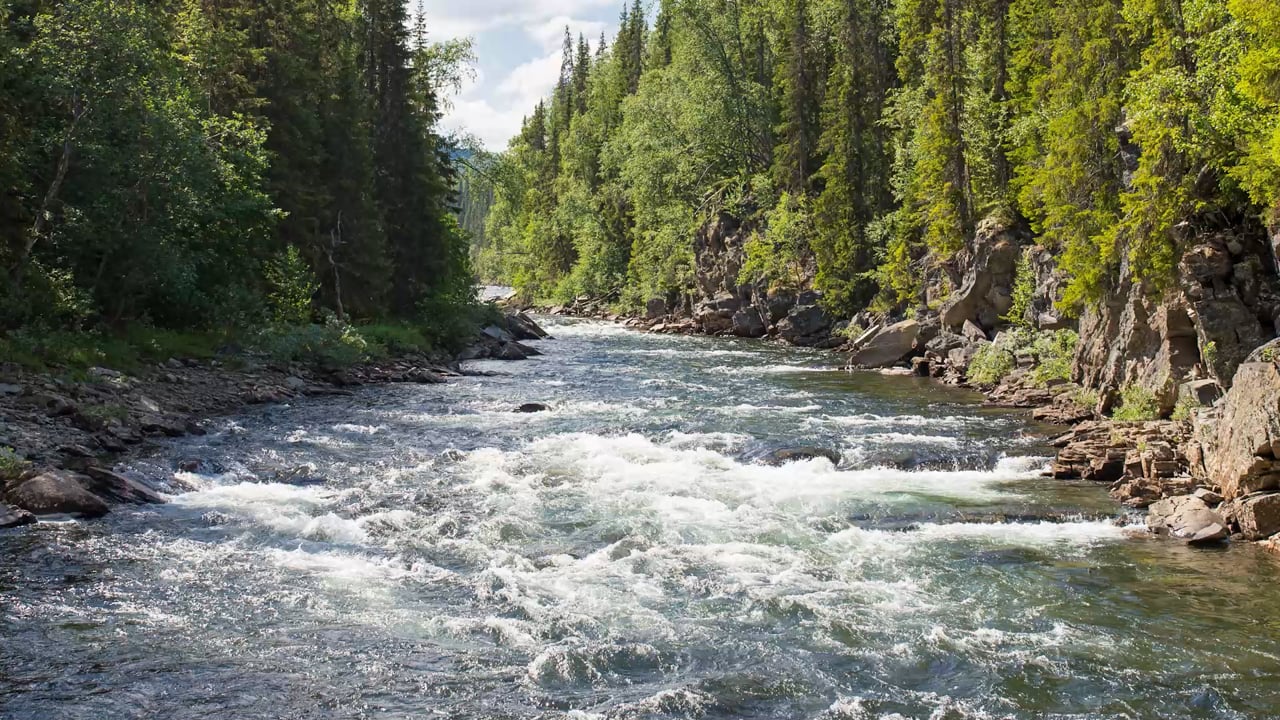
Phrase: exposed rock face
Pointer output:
(986, 290)
(57, 492)
(887, 346)
(1223, 308)
(1258, 515)
(748, 323)
(1240, 446)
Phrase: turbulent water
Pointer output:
(627, 555)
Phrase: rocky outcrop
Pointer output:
(782, 456)
(890, 345)
(988, 269)
(1240, 442)
(1223, 307)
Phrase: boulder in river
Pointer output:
(1187, 518)
(888, 346)
(13, 517)
(532, 408)
(58, 492)
(120, 488)
(782, 456)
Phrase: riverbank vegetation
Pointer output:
(177, 176)
(866, 139)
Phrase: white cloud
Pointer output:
(491, 108)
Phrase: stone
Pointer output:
(120, 488)
(499, 334)
(1187, 518)
(991, 264)
(10, 389)
(1206, 263)
(532, 408)
(889, 346)
(511, 351)
(1240, 457)
(11, 517)
(655, 308)
(295, 383)
(782, 456)
(168, 425)
(1208, 496)
(1258, 515)
(944, 343)
(58, 492)
(747, 323)
(1200, 393)
(972, 332)
(805, 325)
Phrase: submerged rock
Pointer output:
(782, 456)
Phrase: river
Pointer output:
(626, 555)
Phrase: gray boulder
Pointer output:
(1258, 516)
(1187, 518)
(747, 323)
(58, 492)
(889, 346)
(805, 325)
(14, 517)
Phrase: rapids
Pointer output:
(627, 555)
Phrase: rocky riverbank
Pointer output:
(65, 434)
(1211, 476)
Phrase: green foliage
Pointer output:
(12, 465)
(1136, 404)
(204, 166)
(1024, 289)
(991, 364)
(292, 285)
(778, 256)
(1186, 408)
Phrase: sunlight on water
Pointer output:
(628, 554)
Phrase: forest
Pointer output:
(865, 140)
(193, 166)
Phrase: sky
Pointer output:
(517, 43)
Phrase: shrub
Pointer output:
(12, 465)
(292, 284)
(1186, 407)
(1055, 351)
(1136, 404)
(334, 344)
(991, 364)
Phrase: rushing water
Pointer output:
(626, 555)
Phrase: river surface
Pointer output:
(627, 555)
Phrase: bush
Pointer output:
(1136, 404)
(1024, 291)
(991, 364)
(12, 465)
(334, 344)
(1055, 352)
